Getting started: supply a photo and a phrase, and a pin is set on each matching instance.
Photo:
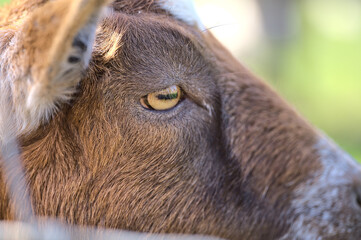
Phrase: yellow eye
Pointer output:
(162, 100)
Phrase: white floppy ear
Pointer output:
(51, 49)
(183, 10)
(61, 65)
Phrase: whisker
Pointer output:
(220, 25)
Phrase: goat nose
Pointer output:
(342, 171)
(357, 195)
(353, 188)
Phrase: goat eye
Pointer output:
(162, 100)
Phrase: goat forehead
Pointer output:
(148, 37)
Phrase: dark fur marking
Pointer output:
(73, 59)
(80, 44)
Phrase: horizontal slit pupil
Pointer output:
(167, 96)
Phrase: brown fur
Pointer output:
(104, 160)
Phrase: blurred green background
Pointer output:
(309, 50)
(3, 1)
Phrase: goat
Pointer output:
(129, 116)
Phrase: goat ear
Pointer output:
(58, 38)
(183, 10)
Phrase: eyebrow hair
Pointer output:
(152, 21)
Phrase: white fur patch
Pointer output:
(183, 10)
(320, 204)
